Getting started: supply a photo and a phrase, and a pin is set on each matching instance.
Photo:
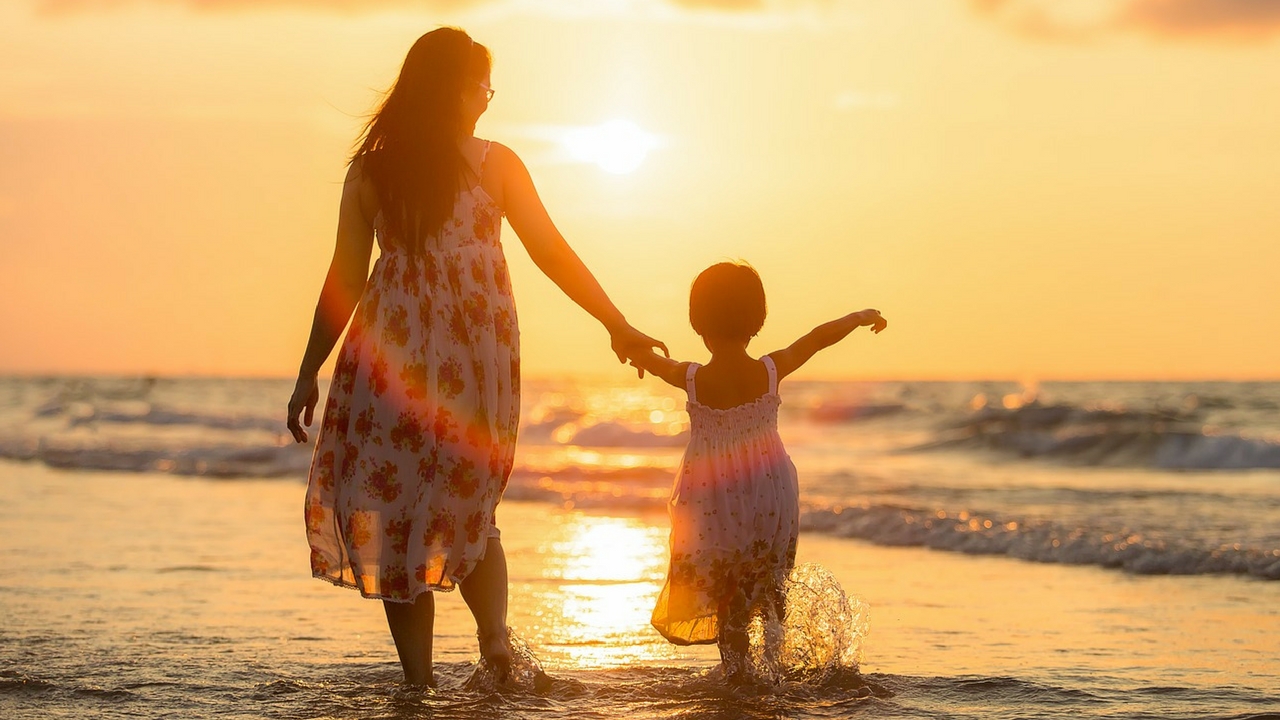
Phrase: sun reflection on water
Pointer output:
(607, 573)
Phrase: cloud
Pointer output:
(58, 7)
(814, 15)
(360, 6)
(1186, 17)
(1171, 19)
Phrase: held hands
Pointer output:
(870, 318)
(628, 342)
(306, 393)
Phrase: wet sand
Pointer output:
(157, 572)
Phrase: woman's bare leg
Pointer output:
(412, 625)
(485, 592)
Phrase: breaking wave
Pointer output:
(1164, 440)
(1040, 541)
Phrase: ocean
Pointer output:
(1088, 549)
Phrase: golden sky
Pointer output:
(1025, 192)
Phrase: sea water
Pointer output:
(153, 564)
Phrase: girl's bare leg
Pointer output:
(412, 625)
(485, 592)
(732, 642)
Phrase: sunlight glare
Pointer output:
(617, 146)
(609, 572)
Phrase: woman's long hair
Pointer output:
(409, 147)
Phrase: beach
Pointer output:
(152, 594)
(132, 595)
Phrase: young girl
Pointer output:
(735, 504)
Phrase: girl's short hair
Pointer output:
(727, 300)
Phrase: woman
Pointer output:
(418, 434)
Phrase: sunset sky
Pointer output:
(1025, 192)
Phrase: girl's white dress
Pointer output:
(734, 515)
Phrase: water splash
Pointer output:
(824, 628)
(820, 637)
(526, 673)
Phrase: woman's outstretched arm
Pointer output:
(343, 285)
(825, 335)
(553, 256)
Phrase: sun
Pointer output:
(616, 146)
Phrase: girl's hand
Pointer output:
(306, 393)
(871, 318)
(629, 343)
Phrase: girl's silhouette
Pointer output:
(735, 504)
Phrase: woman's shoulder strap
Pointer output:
(773, 373)
(484, 153)
(688, 381)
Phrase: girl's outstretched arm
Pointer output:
(825, 335)
(672, 371)
(553, 256)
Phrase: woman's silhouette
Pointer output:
(417, 439)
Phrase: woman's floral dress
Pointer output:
(419, 428)
(735, 516)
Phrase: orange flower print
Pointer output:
(504, 326)
(369, 306)
(496, 464)
(382, 483)
(396, 331)
(350, 456)
(398, 533)
(463, 480)
(477, 371)
(358, 528)
(378, 376)
(450, 382)
(407, 435)
(453, 270)
(481, 222)
(325, 478)
(315, 516)
(426, 311)
(319, 565)
(414, 377)
(427, 466)
(445, 427)
(458, 330)
(501, 278)
(440, 531)
(394, 582)
(475, 524)
(344, 372)
(431, 269)
(477, 308)
(408, 279)
(477, 271)
(365, 424)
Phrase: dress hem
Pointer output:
(373, 596)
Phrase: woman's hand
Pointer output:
(306, 393)
(629, 343)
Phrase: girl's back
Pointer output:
(734, 507)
